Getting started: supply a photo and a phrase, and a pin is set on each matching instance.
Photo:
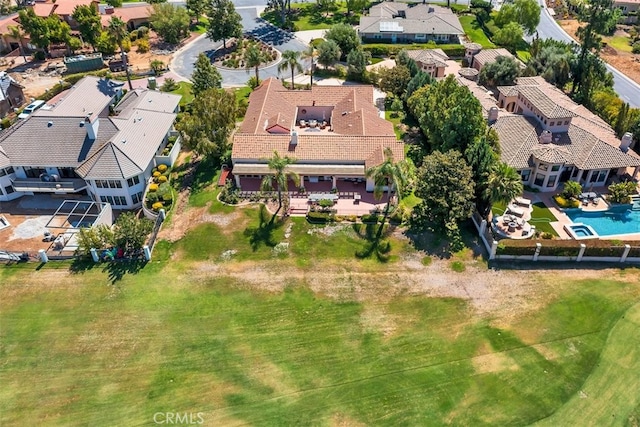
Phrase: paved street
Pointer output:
(626, 88)
(184, 59)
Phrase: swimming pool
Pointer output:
(615, 220)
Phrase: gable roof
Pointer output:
(127, 14)
(418, 19)
(435, 57)
(66, 7)
(490, 55)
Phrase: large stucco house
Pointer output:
(93, 142)
(334, 133)
(403, 23)
(550, 139)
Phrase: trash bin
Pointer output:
(151, 83)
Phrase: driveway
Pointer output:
(184, 59)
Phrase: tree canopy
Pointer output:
(224, 21)
(357, 61)
(502, 72)
(280, 176)
(389, 175)
(44, 31)
(421, 79)
(481, 158)
(509, 36)
(291, 62)
(170, 22)
(196, 8)
(206, 128)
(130, 232)
(449, 115)
(328, 53)
(394, 80)
(205, 75)
(524, 12)
(345, 37)
(89, 23)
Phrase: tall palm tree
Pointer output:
(280, 177)
(504, 184)
(118, 30)
(17, 33)
(290, 60)
(253, 57)
(390, 175)
(311, 54)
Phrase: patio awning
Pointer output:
(301, 169)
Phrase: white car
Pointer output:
(29, 109)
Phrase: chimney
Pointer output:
(493, 114)
(545, 137)
(92, 128)
(108, 10)
(294, 138)
(626, 141)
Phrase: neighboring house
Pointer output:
(629, 10)
(93, 141)
(334, 133)
(401, 23)
(7, 42)
(11, 95)
(62, 8)
(550, 139)
(430, 61)
(133, 16)
(477, 57)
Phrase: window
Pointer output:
(566, 122)
(555, 168)
(33, 172)
(119, 200)
(3, 172)
(136, 198)
(539, 180)
(133, 181)
(10, 169)
(602, 176)
(115, 184)
(9, 189)
(525, 175)
(552, 124)
(543, 166)
(552, 181)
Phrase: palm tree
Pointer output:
(390, 175)
(290, 60)
(17, 33)
(118, 30)
(280, 177)
(253, 57)
(504, 184)
(310, 53)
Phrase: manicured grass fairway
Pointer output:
(164, 341)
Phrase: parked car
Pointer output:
(29, 109)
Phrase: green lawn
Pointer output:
(201, 26)
(619, 43)
(474, 31)
(174, 339)
(306, 16)
(540, 217)
(184, 89)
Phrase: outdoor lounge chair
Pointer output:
(596, 201)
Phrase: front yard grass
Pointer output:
(184, 90)
(307, 16)
(170, 339)
(474, 31)
(619, 43)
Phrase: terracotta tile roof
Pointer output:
(43, 9)
(127, 13)
(8, 21)
(544, 103)
(66, 7)
(490, 55)
(333, 149)
(487, 100)
(551, 153)
(429, 56)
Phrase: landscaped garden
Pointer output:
(541, 217)
(159, 193)
(235, 55)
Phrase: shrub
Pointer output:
(162, 168)
(372, 218)
(621, 192)
(162, 179)
(142, 31)
(157, 206)
(153, 187)
(5, 123)
(143, 46)
(152, 198)
(636, 47)
(164, 189)
(156, 174)
(169, 85)
(325, 203)
(566, 203)
(320, 217)
(571, 189)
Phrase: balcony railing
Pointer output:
(68, 185)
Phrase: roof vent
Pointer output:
(49, 123)
(81, 123)
(626, 141)
(124, 141)
(344, 113)
(545, 137)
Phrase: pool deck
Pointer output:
(563, 219)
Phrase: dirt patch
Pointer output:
(24, 234)
(494, 362)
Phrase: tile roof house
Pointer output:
(550, 139)
(11, 95)
(401, 23)
(133, 15)
(62, 8)
(332, 132)
(430, 61)
(629, 9)
(93, 141)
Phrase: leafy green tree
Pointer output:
(170, 22)
(595, 76)
(396, 106)
(117, 29)
(403, 58)
(44, 31)
(505, 15)
(16, 32)
(157, 66)
(345, 37)
(621, 192)
(131, 232)
(509, 36)
(106, 44)
(196, 8)
(394, 80)
(290, 61)
(114, 3)
(96, 237)
(449, 115)
(280, 177)
(390, 176)
(253, 57)
(89, 24)
(552, 60)
(224, 21)
(504, 184)
(328, 53)
(281, 7)
(205, 75)
(620, 126)
(571, 190)
(326, 5)
(600, 18)
(355, 6)
(502, 72)
(421, 79)
(207, 127)
(357, 61)
(481, 158)
(524, 12)
(445, 185)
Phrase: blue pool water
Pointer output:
(581, 231)
(615, 220)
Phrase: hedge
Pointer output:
(320, 217)
(372, 218)
(384, 49)
(595, 247)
